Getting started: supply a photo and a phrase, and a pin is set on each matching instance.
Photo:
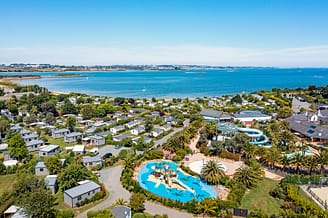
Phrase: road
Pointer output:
(111, 178)
(165, 138)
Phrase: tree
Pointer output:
(322, 159)
(4, 125)
(72, 174)
(17, 147)
(137, 202)
(50, 118)
(148, 124)
(48, 107)
(30, 193)
(39, 203)
(87, 112)
(207, 207)
(212, 172)
(121, 201)
(68, 108)
(53, 164)
(237, 99)
(246, 176)
(71, 123)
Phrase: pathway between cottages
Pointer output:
(111, 178)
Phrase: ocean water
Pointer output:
(182, 84)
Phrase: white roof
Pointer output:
(9, 163)
(78, 148)
(3, 146)
(11, 209)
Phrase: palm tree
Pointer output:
(121, 201)
(207, 207)
(298, 161)
(311, 163)
(250, 150)
(246, 176)
(212, 172)
(272, 157)
(322, 159)
(285, 161)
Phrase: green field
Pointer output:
(259, 198)
(7, 182)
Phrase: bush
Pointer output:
(65, 213)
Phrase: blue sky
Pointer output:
(226, 32)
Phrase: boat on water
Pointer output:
(144, 89)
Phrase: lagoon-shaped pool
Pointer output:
(165, 179)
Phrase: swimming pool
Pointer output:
(185, 187)
(306, 152)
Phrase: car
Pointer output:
(107, 155)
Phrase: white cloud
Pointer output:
(314, 56)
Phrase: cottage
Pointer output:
(146, 140)
(138, 130)
(90, 131)
(154, 113)
(121, 211)
(166, 127)
(87, 123)
(96, 140)
(117, 129)
(31, 137)
(16, 128)
(132, 124)
(25, 132)
(89, 161)
(156, 132)
(78, 149)
(72, 137)
(34, 145)
(41, 169)
(119, 138)
(49, 150)
(51, 183)
(250, 115)
(104, 134)
(85, 190)
(59, 133)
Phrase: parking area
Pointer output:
(110, 149)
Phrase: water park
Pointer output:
(166, 179)
(257, 137)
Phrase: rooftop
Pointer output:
(82, 189)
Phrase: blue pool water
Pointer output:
(197, 189)
(306, 152)
(179, 84)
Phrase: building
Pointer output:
(156, 132)
(138, 130)
(78, 149)
(166, 127)
(96, 140)
(132, 124)
(119, 138)
(72, 137)
(49, 150)
(215, 116)
(117, 129)
(59, 133)
(89, 161)
(41, 169)
(51, 183)
(79, 193)
(307, 126)
(247, 116)
(121, 211)
(30, 137)
(34, 145)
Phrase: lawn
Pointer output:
(259, 198)
(6, 182)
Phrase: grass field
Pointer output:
(259, 198)
(6, 182)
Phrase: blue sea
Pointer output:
(182, 83)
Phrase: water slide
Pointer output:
(183, 185)
(257, 136)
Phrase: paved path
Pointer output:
(111, 178)
(154, 208)
(165, 138)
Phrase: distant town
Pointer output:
(23, 67)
